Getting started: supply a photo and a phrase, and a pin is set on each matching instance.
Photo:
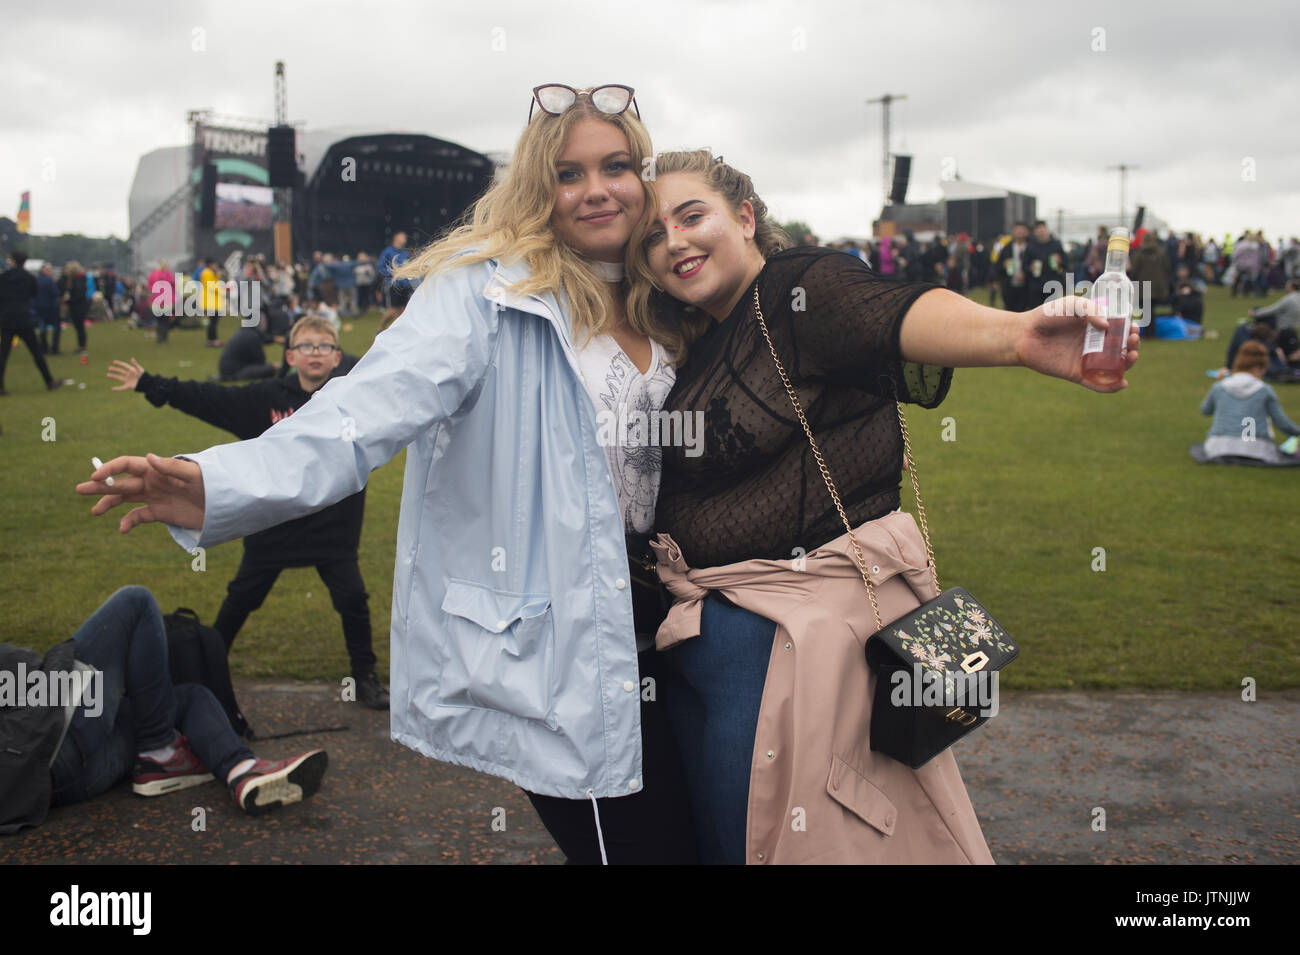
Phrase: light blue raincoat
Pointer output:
(512, 639)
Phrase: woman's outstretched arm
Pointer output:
(416, 374)
(947, 329)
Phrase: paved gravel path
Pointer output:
(1182, 777)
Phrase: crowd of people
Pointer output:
(1029, 266)
(334, 287)
(1016, 266)
(1019, 270)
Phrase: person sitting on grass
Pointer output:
(243, 357)
(1242, 405)
(328, 539)
(1188, 300)
(1284, 315)
(123, 717)
(1266, 336)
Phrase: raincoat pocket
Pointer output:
(860, 796)
(498, 651)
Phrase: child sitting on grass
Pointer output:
(1242, 405)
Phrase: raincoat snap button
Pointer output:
(629, 686)
(770, 754)
(875, 568)
(761, 857)
(787, 644)
(633, 784)
(620, 584)
(501, 624)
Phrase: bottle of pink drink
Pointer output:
(1103, 352)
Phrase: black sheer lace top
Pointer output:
(754, 489)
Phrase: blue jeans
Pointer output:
(126, 641)
(715, 689)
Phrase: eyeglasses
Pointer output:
(611, 99)
(309, 349)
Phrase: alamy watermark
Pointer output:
(132, 910)
(926, 686)
(21, 687)
(1140, 302)
(639, 429)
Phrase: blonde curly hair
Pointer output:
(512, 221)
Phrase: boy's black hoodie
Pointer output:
(333, 533)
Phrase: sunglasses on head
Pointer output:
(611, 99)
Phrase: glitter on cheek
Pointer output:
(715, 231)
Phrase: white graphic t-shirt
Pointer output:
(627, 426)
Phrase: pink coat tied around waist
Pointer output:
(817, 792)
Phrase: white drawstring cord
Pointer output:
(600, 837)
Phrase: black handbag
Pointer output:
(935, 671)
(936, 667)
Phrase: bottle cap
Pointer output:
(1118, 240)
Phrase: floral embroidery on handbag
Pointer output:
(949, 632)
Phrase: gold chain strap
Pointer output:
(830, 485)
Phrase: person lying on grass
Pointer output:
(100, 707)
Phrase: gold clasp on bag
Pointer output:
(958, 715)
(976, 661)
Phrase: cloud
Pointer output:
(1015, 93)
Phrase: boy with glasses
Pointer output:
(328, 539)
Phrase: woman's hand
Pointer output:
(128, 375)
(1051, 340)
(170, 489)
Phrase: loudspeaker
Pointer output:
(281, 156)
(208, 196)
(902, 170)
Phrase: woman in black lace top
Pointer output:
(851, 342)
(756, 490)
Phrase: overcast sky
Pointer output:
(1036, 96)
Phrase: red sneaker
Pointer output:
(268, 784)
(183, 770)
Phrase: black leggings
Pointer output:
(650, 827)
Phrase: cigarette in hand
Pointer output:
(99, 464)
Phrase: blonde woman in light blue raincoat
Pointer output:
(514, 649)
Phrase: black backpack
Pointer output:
(29, 737)
(197, 654)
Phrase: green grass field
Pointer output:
(1200, 562)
